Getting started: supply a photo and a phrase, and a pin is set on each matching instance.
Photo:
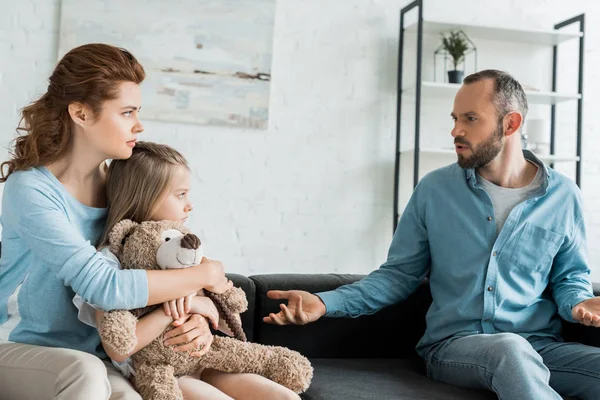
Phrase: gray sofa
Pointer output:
(371, 357)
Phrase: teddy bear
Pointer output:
(166, 245)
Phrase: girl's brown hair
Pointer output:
(134, 186)
(88, 74)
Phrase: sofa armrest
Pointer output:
(580, 333)
(391, 332)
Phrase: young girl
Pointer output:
(153, 185)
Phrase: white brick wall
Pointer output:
(314, 192)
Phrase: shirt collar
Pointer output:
(529, 155)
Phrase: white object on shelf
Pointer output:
(539, 37)
(533, 97)
(538, 135)
(448, 152)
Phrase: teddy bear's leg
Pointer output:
(284, 366)
(157, 382)
(290, 369)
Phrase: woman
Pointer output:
(53, 211)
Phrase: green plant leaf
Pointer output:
(456, 45)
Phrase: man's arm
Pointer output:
(406, 266)
(570, 276)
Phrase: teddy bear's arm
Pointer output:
(230, 304)
(117, 331)
(234, 299)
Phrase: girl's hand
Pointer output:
(193, 335)
(205, 307)
(178, 308)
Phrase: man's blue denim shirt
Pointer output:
(519, 281)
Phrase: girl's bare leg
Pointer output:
(195, 389)
(247, 386)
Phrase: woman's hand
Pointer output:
(192, 335)
(179, 307)
(213, 276)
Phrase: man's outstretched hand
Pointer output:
(302, 308)
(588, 312)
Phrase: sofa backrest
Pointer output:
(390, 333)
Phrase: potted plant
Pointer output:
(456, 45)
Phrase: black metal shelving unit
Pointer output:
(419, 81)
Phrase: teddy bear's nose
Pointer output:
(190, 241)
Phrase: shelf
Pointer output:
(533, 97)
(449, 152)
(538, 37)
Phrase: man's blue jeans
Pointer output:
(516, 368)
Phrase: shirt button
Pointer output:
(489, 218)
(494, 254)
(490, 288)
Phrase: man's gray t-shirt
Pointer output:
(505, 199)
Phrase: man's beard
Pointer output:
(484, 152)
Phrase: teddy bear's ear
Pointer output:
(118, 234)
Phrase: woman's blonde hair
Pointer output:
(134, 186)
(88, 74)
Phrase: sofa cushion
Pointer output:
(380, 379)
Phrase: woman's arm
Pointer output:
(207, 275)
(37, 215)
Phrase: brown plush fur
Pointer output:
(230, 317)
(157, 366)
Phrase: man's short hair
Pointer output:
(508, 95)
